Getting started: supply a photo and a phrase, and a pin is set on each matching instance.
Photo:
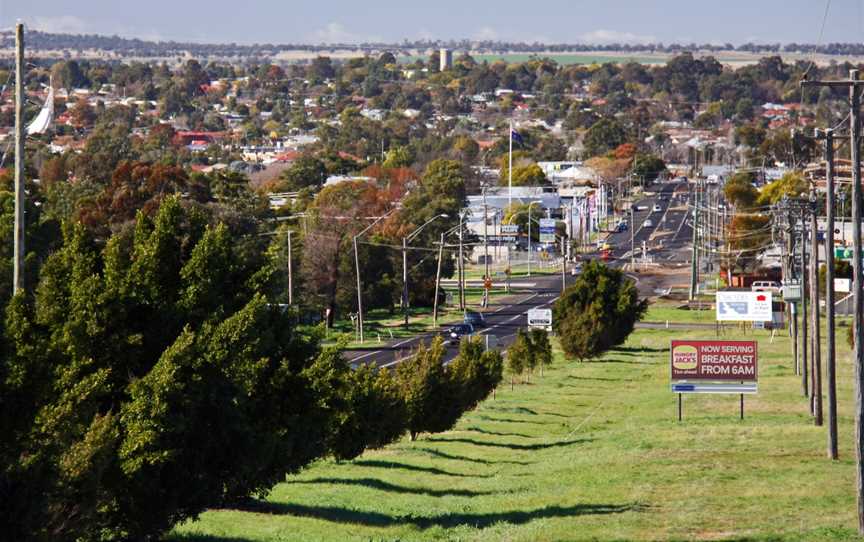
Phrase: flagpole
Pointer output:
(510, 170)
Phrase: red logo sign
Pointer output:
(714, 360)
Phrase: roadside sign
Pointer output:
(843, 253)
(487, 283)
(510, 228)
(540, 318)
(791, 292)
(843, 285)
(744, 306)
(547, 230)
(716, 367)
(714, 361)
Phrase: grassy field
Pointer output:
(591, 451)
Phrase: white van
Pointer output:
(765, 286)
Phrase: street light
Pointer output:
(510, 220)
(357, 266)
(405, 240)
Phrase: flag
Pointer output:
(43, 120)
(515, 136)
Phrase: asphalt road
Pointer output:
(503, 318)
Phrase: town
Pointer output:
(339, 288)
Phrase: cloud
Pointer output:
(61, 24)
(335, 32)
(486, 33)
(612, 36)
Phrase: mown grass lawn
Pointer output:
(591, 451)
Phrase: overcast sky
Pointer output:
(552, 21)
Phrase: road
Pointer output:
(502, 320)
(667, 239)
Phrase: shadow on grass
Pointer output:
(636, 349)
(600, 361)
(374, 483)
(498, 433)
(510, 420)
(479, 521)
(180, 537)
(414, 468)
(444, 455)
(512, 410)
(600, 378)
(512, 446)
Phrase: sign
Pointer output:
(540, 318)
(510, 228)
(718, 361)
(487, 283)
(791, 292)
(843, 253)
(843, 285)
(744, 306)
(547, 230)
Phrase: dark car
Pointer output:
(454, 334)
(475, 319)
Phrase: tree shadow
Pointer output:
(498, 433)
(381, 485)
(449, 520)
(634, 349)
(510, 420)
(513, 446)
(414, 468)
(600, 378)
(512, 410)
(623, 361)
(444, 455)
(182, 537)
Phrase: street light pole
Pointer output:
(529, 237)
(357, 268)
(412, 235)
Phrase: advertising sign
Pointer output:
(715, 361)
(843, 285)
(744, 306)
(510, 228)
(540, 318)
(547, 230)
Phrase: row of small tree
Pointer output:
(150, 376)
(529, 351)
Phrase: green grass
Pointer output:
(591, 451)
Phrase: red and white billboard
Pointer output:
(714, 360)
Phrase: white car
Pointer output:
(658, 209)
(648, 224)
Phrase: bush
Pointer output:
(597, 312)
(520, 356)
(542, 348)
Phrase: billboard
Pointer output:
(744, 306)
(547, 230)
(700, 361)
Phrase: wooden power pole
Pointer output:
(854, 85)
(815, 346)
(18, 264)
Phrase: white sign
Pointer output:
(510, 228)
(540, 318)
(843, 285)
(744, 307)
(547, 230)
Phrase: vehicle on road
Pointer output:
(622, 226)
(455, 334)
(765, 286)
(648, 224)
(641, 207)
(475, 319)
(576, 269)
(658, 209)
(606, 255)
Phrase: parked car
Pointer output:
(658, 209)
(576, 269)
(765, 286)
(648, 224)
(475, 319)
(454, 334)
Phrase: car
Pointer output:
(765, 286)
(622, 226)
(576, 269)
(475, 319)
(455, 334)
(648, 224)
(658, 209)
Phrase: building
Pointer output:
(446, 59)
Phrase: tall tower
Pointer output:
(446, 59)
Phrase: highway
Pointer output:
(667, 238)
(502, 320)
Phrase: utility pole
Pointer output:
(815, 348)
(485, 237)
(405, 278)
(632, 236)
(18, 271)
(830, 367)
(530, 204)
(790, 266)
(694, 270)
(290, 273)
(461, 266)
(854, 86)
(437, 282)
(803, 271)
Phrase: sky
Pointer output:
(548, 21)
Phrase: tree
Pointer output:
(476, 372)
(430, 402)
(525, 172)
(739, 190)
(603, 136)
(519, 356)
(542, 348)
(597, 312)
(791, 184)
(648, 166)
(306, 171)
